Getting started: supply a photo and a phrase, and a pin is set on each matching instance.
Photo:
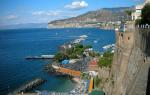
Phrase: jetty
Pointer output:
(41, 57)
(29, 86)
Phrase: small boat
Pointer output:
(108, 46)
(78, 40)
(83, 36)
(95, 41)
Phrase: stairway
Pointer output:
(140, 84)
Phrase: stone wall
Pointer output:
(131, 63)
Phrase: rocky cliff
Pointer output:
(131, 63)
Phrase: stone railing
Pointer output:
(143, 26)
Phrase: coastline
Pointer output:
(25, 43)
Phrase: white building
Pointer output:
(138, 8)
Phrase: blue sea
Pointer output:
(16, 44)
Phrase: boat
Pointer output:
(95, 41)
(48, 56)
(78, 40)
(83, 36)
(110, 46)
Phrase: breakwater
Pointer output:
(29, 86)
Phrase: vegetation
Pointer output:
(72, 53)
(60, 56)
(85, 76)
(129, 13)
(145, 16)
(94, 54)
(106, 60)
(97, 81)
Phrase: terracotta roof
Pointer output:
(93, 62)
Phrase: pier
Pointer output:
(41, 57)
(29, 86)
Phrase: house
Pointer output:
(93, 65)
(138, 8)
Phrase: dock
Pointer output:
(41, 57)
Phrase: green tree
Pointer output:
(59, 56)
(128, 12)
(88, 46)
(145, 15)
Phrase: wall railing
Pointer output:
(143, 26)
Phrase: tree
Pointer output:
(59, 56)
(146, 14)
(128, 12)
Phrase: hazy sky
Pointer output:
(43, 11)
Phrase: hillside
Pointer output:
(93, 18)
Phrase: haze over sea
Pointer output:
(16, 44)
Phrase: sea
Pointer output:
(16, 44)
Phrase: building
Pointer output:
(138, 8)
(93, 65)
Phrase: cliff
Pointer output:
(131, 62)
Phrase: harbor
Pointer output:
(75, 68)
(35, 66)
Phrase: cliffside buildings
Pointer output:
(138, 8)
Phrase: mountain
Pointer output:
(92, 17)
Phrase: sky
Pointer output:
(44, 11)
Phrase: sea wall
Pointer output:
(131, 63)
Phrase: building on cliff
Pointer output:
(138, 8)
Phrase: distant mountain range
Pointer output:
(89, 19)
(25, 25)
(101, 15)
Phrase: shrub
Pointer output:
(146, 14)
(106, 60)
(97, 81)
